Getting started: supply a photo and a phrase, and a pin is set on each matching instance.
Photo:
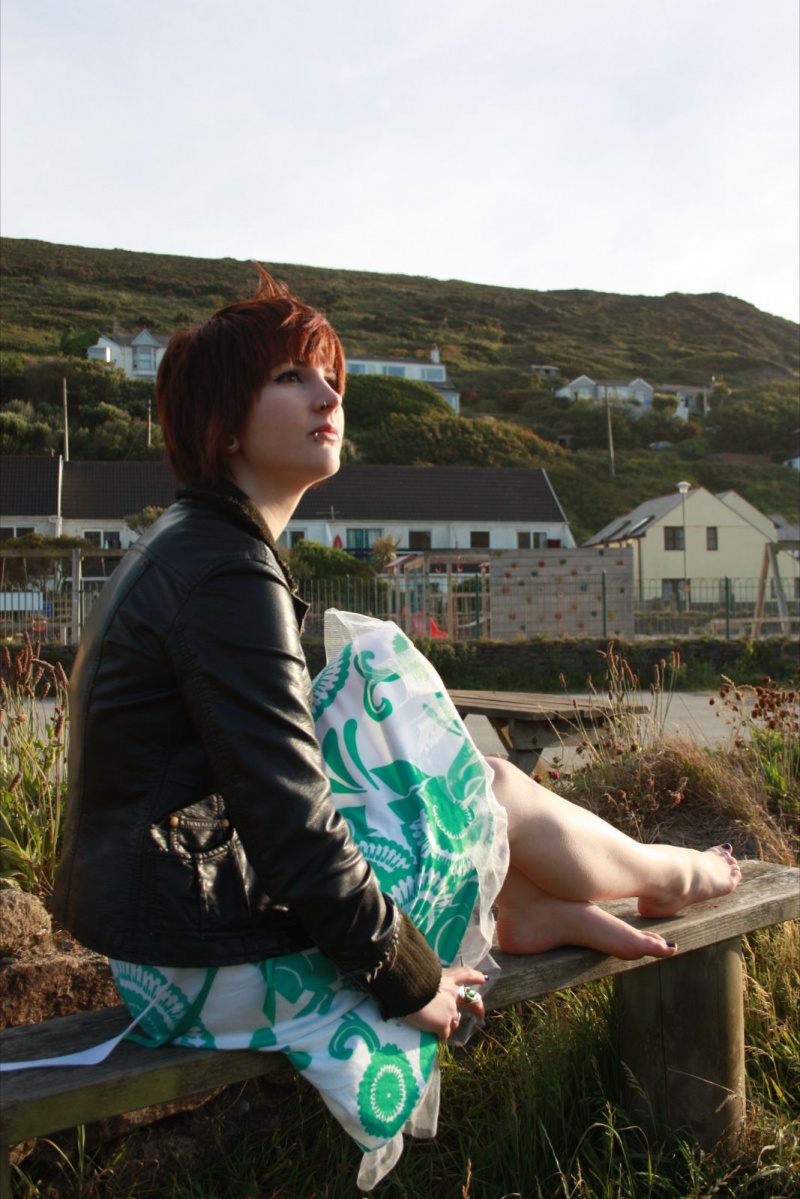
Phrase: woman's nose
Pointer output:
(329, 396)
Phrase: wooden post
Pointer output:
(77, 585)
(682, 1043)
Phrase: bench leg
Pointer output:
(5, 1172)
(682, 1042)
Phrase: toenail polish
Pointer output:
(727, 847)
(672, 944)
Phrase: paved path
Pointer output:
(689, 714)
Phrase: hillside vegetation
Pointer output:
(57, 298)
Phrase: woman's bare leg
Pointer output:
(530, 920)
(569, 854)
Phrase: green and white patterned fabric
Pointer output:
(417, 797)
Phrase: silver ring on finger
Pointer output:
(457, 1019)
(467, 993)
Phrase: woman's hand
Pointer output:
(443, 1014)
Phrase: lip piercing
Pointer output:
(316, 436)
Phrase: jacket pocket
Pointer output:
(199, 880)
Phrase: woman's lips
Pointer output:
(326, 433)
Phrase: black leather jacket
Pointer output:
(200, 829)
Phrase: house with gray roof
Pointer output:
(422, 507)
(137, 354)
(677, 538)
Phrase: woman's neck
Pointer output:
(275, 504)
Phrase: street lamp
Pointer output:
(683, 488)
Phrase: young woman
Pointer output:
(204, 854)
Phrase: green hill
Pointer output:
(489, 336)
(54, 296)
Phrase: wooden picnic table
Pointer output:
(529, 722)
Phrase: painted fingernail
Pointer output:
(728, 847)
(672, 944)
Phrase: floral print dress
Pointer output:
(417, 797)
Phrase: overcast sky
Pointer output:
(634, 146)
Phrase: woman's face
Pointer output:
(292, 435)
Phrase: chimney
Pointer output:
(435, 353)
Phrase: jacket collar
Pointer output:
(228, 498)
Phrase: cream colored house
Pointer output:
(698, 538)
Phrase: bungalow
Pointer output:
(618, 391)
(638, 393)
(432, 508)
(422, 507)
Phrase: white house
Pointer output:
(422, 370)
(432, 508)
(638, 394)
(691, 399)
(618, 391)
(697, 536)
(137, 354)
(79, 499)
(422, 507)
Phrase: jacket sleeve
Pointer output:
(238, 657)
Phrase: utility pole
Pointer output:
(149, 423)
(683, 487)
(66, 421)
(610, 437)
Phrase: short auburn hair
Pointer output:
(210, 375)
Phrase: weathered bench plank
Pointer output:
(767, 895)
(38, 1102)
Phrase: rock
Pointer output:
(25, 928)
(55, 984)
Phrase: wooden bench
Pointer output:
(682, 1031)
(529, 722)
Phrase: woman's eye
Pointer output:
(290, 376)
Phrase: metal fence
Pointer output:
(49, 607)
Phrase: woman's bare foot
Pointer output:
(692, 876)
(530, 920)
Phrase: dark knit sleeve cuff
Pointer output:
(409, 975)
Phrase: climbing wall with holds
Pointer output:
(561, 593)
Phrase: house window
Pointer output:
(531, 541)
(419, 539)
(399, 372)
(479, 539)
(108, 540)
(523, 541)
(143, 358)
(675, 592)
(296, 535)
(356, 368)
(361, 541)
(17, 531)
(433, 374)
(712, 541)
(673, 537)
